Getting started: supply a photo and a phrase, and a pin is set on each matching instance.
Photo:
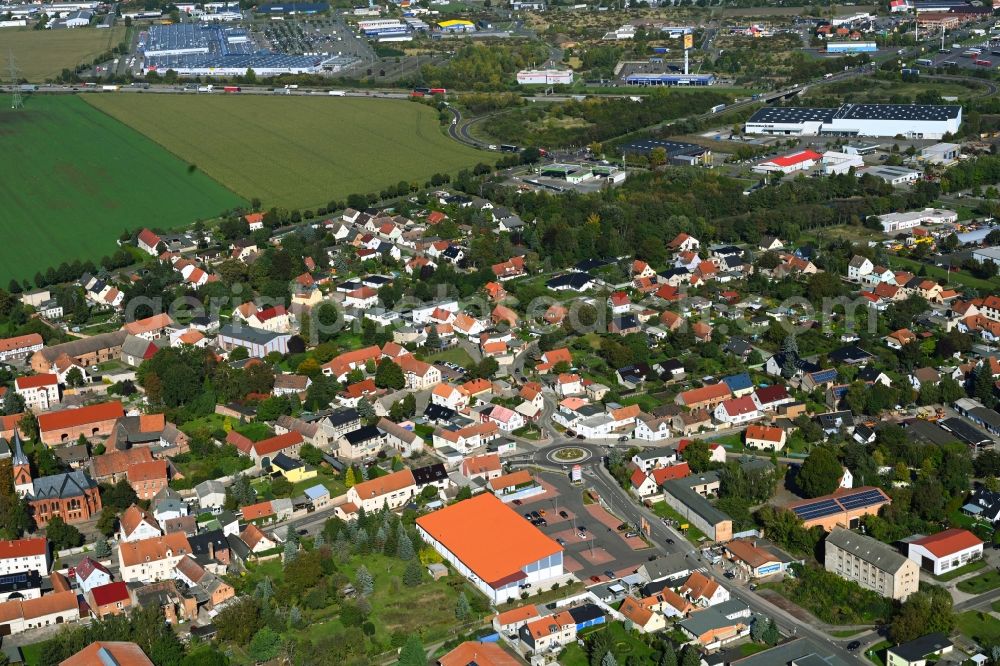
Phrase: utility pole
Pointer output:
(16, 102)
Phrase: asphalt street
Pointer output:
(667, 541)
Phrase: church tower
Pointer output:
(22, 468)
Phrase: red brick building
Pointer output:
(66, 426)
(74, 496)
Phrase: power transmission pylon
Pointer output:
(16, 102)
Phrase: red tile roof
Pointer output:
(277, 443)
(949, 542)
(20, 342)
(35, 381)
(69, 418)
(110, 594)
(23, 548)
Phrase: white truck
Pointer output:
(209, 88)
(338, 93)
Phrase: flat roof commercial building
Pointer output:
(871, 564)
(493, 546)
(894, 175)
(893, 222)
(676, 152)
(915, 121)
(669, 79)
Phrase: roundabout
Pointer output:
(569, 455)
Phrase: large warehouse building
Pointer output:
(493, 546)
(914, 121)
(211, 50)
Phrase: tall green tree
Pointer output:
(820, 473)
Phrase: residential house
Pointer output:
(766, 438)
(391, 491)
(40, 392)
(136, 524)
(151, 560)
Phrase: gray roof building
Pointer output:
(800, 652)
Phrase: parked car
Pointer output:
(563, 514)
(582, 535)
(596, 579)
(630, 535)
(517, 502)
(609, 573)
(622, 527)
(730, 575)
(580, 437)
(670, 540)
(535, 514)
(528, 516)
(623, 438)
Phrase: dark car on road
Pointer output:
(853, 645)
(609, 573)
(563, 514)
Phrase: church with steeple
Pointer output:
(73, 496)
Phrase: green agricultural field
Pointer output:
(43, 54)
(296, 152)
(72, 179)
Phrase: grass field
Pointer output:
(984, 582)
(980, 627)
(43, 54)
(296, 152)
(72, 179)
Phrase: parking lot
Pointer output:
(312, 36)
(593, 545)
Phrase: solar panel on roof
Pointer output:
(818, 509)
(866, 498)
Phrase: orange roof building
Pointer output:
(65, 426)
(121, 653)
(481, 654)
(493, 546)
(945, 551)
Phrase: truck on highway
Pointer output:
(438, 91)
(717, 108)
(338, 93)
(27, 87)
(110, 88)
(209, 88)
(231, 89)
(925, 62)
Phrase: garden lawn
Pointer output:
(664, 510)
(428, 609)
(72, 179)
(299, 152)
(627, 646)
(984, 582)
(980, 627)
(876, 652)
(455, 355)
(44, 54)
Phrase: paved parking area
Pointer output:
(612, 522)
(603, 549)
